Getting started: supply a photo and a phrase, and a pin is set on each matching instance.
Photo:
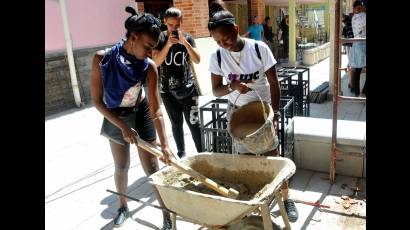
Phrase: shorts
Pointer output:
(140, 120)
(357, 55)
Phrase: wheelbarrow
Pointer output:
(262, 175)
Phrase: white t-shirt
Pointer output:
(359, 25)
(250, 70)
(131, 96)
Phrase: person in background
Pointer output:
(267, 32)
(284, 26)
(357, 55)
(173, 55)
(255, 30)
(347, 32)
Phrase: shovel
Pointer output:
(230, 193)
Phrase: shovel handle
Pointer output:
(230, 193)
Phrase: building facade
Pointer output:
(96, 24)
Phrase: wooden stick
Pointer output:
(230, 193)
(317, 204)
(278, 197)
(267, 222)
(174, 221)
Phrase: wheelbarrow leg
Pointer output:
(267, 223)
(174, 221)
(282, 210)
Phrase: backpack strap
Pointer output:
(257, 51)
(218, 55)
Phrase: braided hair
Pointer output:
(220, 16)
(142, 23)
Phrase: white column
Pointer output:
(71, 65)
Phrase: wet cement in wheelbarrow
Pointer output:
(249, 184)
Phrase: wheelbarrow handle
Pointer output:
(230, 193)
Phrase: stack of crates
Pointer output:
(214, 127)
(285, 131)
(295, 81)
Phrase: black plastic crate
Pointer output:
(214, 127)
(295, 81)
(285, 130)
(285, 82)
(215, 136)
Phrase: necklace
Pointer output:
(238, 62)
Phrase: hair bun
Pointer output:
(216, 6)
(130, 10)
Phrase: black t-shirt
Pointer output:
(267, 31)
(175, 72)
(284, 27)
(347, 32)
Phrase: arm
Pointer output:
(155, 110)
(97, 99)
(274, 87)
(264, 38)
(219, 90)
(159, 55)
(263, 35)
(245, 34)
(274, 92)
(193, 52)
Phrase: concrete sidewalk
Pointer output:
(79, 167)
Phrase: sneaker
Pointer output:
(181, 154)
(121, 217)
(167, 225)
(291, 210)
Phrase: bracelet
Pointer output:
(153, 119)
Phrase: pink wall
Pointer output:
(92, 23)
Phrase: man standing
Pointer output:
(255, 31)
(284, 26)
(267, 32)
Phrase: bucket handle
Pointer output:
(263, 105)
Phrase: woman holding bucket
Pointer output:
(248, 67)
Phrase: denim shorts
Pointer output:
(357, 55)
(139, 119)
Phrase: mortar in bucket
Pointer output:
(252, 126)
